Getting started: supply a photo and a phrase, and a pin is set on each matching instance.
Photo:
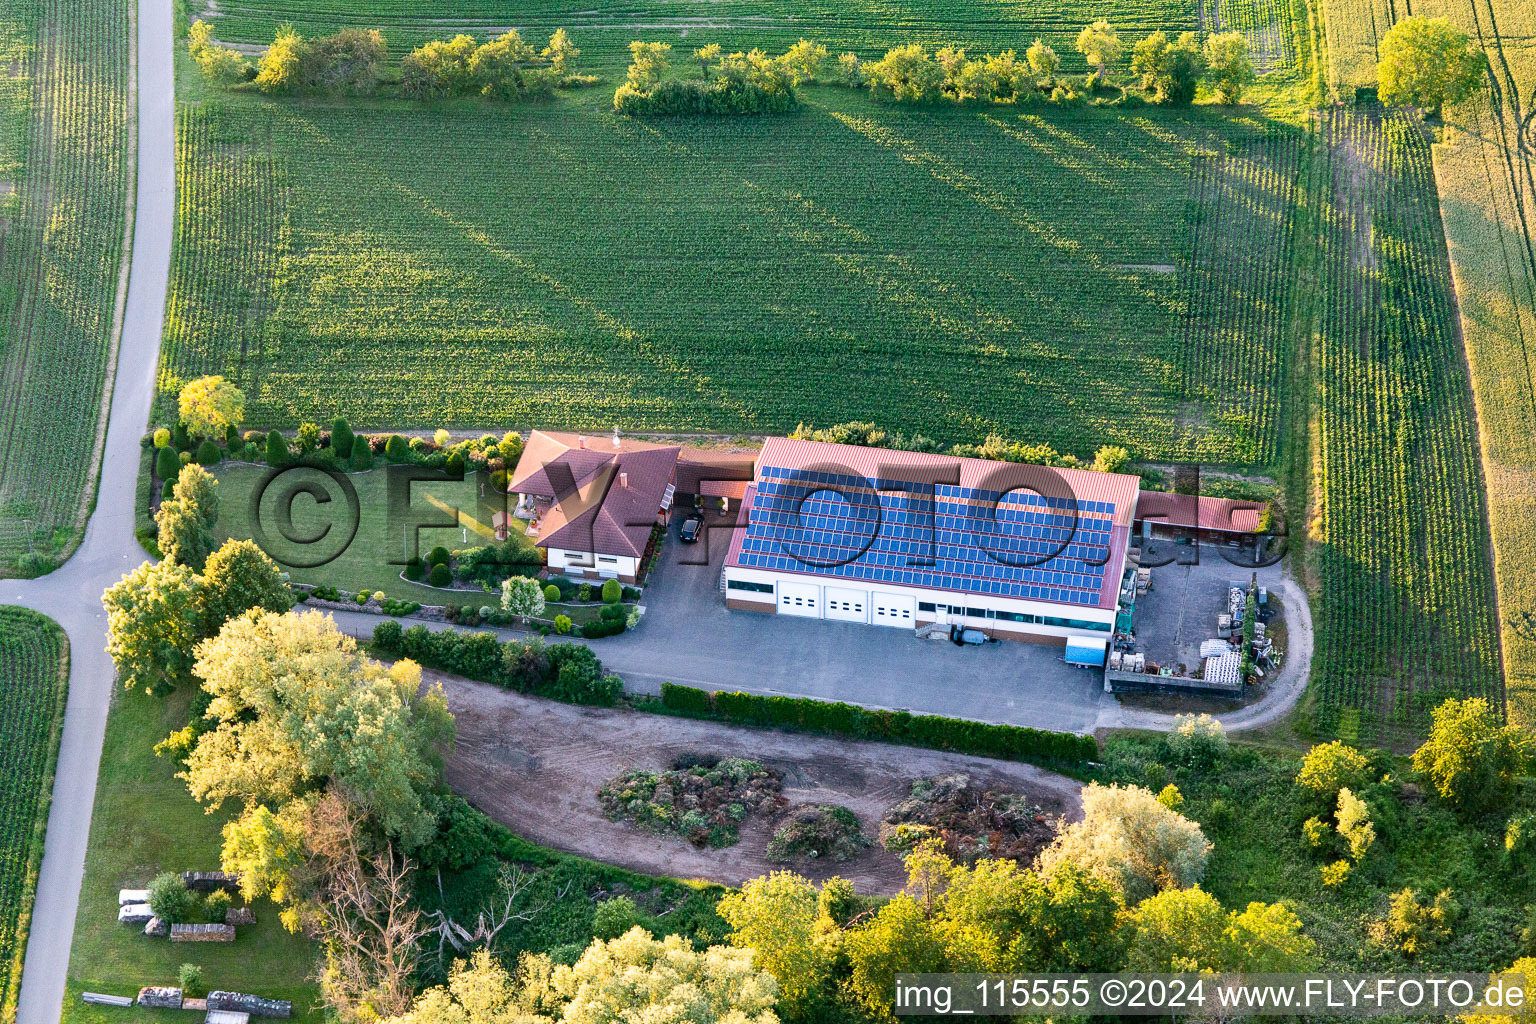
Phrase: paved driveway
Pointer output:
(689, 636)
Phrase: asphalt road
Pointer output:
(72, 595)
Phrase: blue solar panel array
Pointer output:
(1015, 544)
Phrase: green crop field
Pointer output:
(34, 675)
(962, 271)
(1487, 178)
(1406, 614)
(63, 189)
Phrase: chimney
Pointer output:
(581, 442)
(623, 479)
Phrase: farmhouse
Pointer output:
(904, 539)
(596, 502)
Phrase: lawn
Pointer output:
(145, 822)
(376, 555)
(64, 178)
(34, 679)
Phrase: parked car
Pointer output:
(691, 528)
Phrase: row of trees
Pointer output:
(1168, 69)
(349, 63)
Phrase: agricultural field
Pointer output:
(1406, 612)
(555, 265)
(1487, 180)
(64, 181)
(34, 677)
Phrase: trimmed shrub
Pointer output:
(208, 454)
(387, 636)
(612, 613)
(438, 556)
(562, 624)
(167, 464)
(612, 592)
(342, 440)
(277, 449)
(162, 437)
(440, 576)
(397, 449)
(687, 699)
(413, 568)
(362, 453)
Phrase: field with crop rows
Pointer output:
(867, 27)
(952, 272)
(63, 189)
(1487, 180)
(34, 674)
(1237, 276)
(1406, 613)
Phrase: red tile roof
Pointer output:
(611, 494)
(1188, 511)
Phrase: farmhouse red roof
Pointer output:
(611, 497)
(1188, 511)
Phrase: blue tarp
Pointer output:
(1086, 651)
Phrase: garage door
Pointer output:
(847, 605)
(893, 609)
(800, 599)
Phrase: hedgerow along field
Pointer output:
(63, 191)
(867, 27)
(552, 264)
(34, 676)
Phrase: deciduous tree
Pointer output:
(1229, 68)
(187, 519)
(1472, 760)
(153, 619)
(1131, 840)
(1100, 44)
(209, 406)
(1427, 62)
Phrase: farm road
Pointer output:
(536, 765)
(72, 595)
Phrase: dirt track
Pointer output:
(535, 766)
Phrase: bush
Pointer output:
(1330, 767)
(1198, 740)
(584, 592)
(162, 437)
(386, 636)
(1415, 926)
(167, 464)
(440, 576)
(397, 449)
(562, 624)
(208, 454)
(414, 568)
(277, 449)
(438, 556)
(170, 899)
(189, 977)
(216, 905)
(685, 698)
(362, 453)
(614, 917)
(613, 591)
(342, 440)
(551, 593)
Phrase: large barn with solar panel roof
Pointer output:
(905, 539)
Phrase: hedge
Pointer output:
(1012, 742)
(567, 672)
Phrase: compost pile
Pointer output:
(817, 831)
(701, 799)
(971, 822)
